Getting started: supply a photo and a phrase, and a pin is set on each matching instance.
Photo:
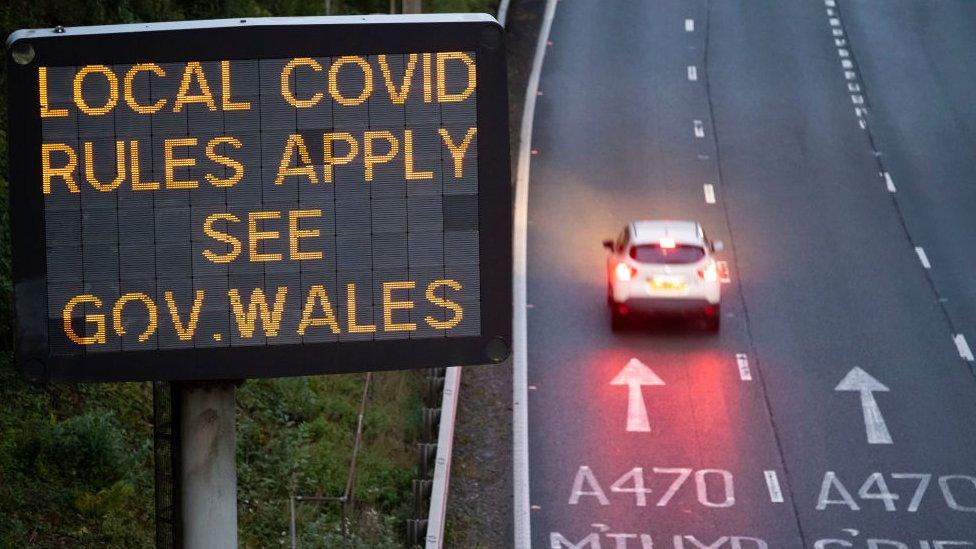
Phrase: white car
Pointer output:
(663, 266)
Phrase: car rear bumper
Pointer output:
(649, 305)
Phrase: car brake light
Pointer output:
(667, 243)
(625, 272)
(708, 272)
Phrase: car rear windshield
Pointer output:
(653, 253)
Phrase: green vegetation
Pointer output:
(76, 460)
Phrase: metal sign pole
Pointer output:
(209, 474)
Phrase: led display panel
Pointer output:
(260, 198)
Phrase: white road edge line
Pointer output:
(772, 482)
(922, 257)
(889, 184)
(521, 508)
(692, 73)
(743, 362)
(964, 351)
(689, 25)
(709, 193)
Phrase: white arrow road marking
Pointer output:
(635, 375)
(874, 423)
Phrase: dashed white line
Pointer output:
(846, 63)
(829, 3)
(863, 124)
(830, 12)
(843, 52)
(743, 362)
(922, 257)
(853, 87)
(858, 112)
(840, 42)
(689, 25)
(772, 482)
(837, 32)
(709, 193)
(699, 128)
(857, 99)
(692, 73)
(963, 347)
(850, 75)
(834, 22)
(889, 183)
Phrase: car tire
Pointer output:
(618, 322)
(713, 322)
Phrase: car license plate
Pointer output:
(672, 283)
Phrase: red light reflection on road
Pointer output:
(693, 417)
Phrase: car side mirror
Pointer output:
(718, 246)
(608, 244)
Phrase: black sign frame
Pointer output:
(255, 39)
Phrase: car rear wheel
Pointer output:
(713, 318)
(618, 322)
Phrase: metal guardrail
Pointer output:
(434, 487)
(442, 462)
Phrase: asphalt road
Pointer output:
(759, 450)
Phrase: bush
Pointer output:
(87, 449)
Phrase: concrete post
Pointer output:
(209, 472)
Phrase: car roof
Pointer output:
(651, 231)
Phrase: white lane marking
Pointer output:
(889, 184)
(963, 347)
(858, 112)
(743, 362)
(521, 510)
(692, 73)
(863, 124)
(853, 87)
(922, 257)
(834, 22)
(850, 75)
(772, 482)
(830, 12)
(689, 25)
(874, 423)
(846, 63)
(699, 128)
(857, 99)
(843, 52)
(829, 3)
(840, 42)
(837, 32)
(709, 193)
(635, 374)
